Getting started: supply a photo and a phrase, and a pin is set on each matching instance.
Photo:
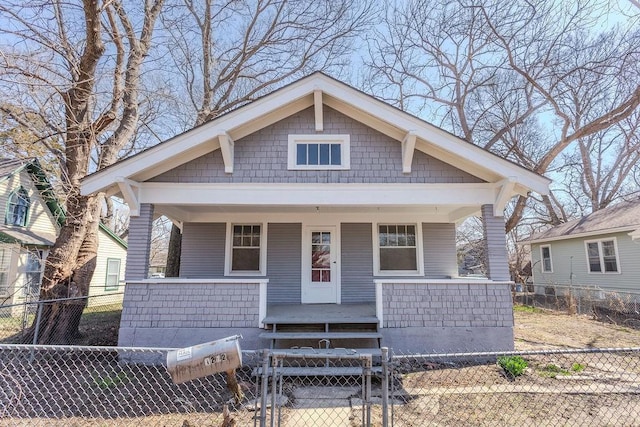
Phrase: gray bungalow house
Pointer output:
(599, 250)
(317, 213)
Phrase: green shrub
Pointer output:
(553, 371)
(526, 309)
(577, 367)
(109, 381)
(513, 365)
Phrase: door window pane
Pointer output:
(320, 256)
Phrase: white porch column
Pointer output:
(496, 257)
(139, 244)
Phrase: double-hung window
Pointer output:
(246, 251)
(5, 258)
(319, 152)
(112, 280)
(545, 258)
(602, 256)
(33, 273)
(398, 249)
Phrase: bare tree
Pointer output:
(228, 52)
(62, 57)
(528, 81)
(603, 167)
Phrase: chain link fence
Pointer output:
(621, 308)
(589, 387)
(98, 386)
(98, 322)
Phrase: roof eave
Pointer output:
(202, 139)
(581, 235)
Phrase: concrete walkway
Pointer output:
(322, 406)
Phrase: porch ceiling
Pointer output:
(294, 213)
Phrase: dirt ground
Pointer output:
(548, 329)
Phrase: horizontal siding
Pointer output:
(107, 248)
(496, 257)
(262, 157)
(570, 255)
(284, 243)
(40, 220)
(357, 263)
(203, 247)
(439, 246)
(138, 247)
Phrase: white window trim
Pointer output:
(542, 259)
(376, 251)
(109, 273)
(601, 254)
(229, 249)
(7, 254)
(342, 139)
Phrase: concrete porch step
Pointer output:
(312, 371)
(319, 335)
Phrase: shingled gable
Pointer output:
(315, 90)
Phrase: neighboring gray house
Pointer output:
(599, 250)
(317, 212)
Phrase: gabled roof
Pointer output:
(300, 95)
(44, 187)
(623, 216)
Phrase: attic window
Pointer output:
(18, 208)
(319, 152)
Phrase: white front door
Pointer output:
(320, 282)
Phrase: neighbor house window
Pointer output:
(545, 256)
(319, 152)
(33, 274)
(113, 274)
(602, 256)
(5, 258)
(18, 208)
(246, 255)
(398, 248)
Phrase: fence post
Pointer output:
(274, 390)
(385, 386)
(367, 399)
(37, 328)
(263, 398)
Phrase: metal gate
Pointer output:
(330, 386)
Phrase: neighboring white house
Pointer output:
(598, 250)
(317, 208)
(29, 226)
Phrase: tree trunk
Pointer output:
(68, 272)
(173, 253)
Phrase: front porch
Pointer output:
(408, 315)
